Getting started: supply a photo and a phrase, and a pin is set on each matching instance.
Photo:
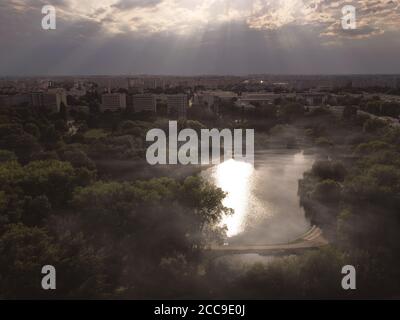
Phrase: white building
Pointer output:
(113, 102)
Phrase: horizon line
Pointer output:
(2, 77)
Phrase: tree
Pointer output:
(23, 253)
(32, 129)
(378, 184)
(391, 109)
(327, 192)
(36, 209)
(373, 107)
(78, 159)
(323, 142)
(290, 111)
(61, 125)
(371, 147)
(329, 170)
(350, 112)
(23, 145)
(6, 156)
(10, 129)
(52, 178)
(373, 125)
(50, 137)
(25, 250)
(193, 205)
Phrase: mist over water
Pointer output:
(264, 197)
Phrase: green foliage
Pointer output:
(11, 207)
(191, 124)
(36, 210)
(373, 107)
(78, 158)
(23, 253)
(371, 147)
(50, 137)
(23, 145)
(117, 148)
(291, 111)
(379, 183)
(95, 134)
(308, 276)
(117, 205)
(373, 125)
(350, 112)
(390, 109)
(6, 156)
(52, 178)
(32, 129)
(332, 170)
(327, 192)
(10, 129)
(323, 142)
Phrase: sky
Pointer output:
(199, 37)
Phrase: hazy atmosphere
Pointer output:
(212, 149)
(186, 37)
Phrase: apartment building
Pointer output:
(113, 102)
(178, 104)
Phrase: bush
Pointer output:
(373, 125)
(6, 155)
(327, 192)
(329, 170)
(323, 143)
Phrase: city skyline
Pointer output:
(209, 37)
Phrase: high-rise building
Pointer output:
(153, 83)
(51, 99)
(135, 83)
(178, 104)
(113, 102)
(144, 102)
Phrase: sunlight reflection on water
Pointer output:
(264, 197)
(234, 177)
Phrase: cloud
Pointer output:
(374, 17)
(199, 37)
(132, 4)
(191, 16)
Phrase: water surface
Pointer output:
(264, 196)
